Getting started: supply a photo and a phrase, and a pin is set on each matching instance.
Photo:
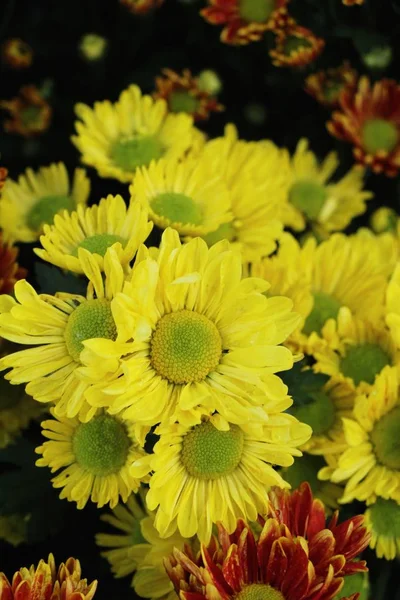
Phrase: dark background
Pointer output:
(173, 36)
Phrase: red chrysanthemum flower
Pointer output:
(30, 112)
(296, 556)
(246, 20)
(184, 94)
(141, 7)
(17, 54)
(295, 46)
(10, 271)
(3, 177)
(45, 583)
(326, 86)
(369, 118)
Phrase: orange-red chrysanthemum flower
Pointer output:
(295, 557)
(17, 54)
(30, 112)
(352, 2)
(369, 118)
(295, 46)
(245, 21)
(45, 583)
(325, 86)
(10, 271)
(184, 94)
(3, 177)
(141, 7)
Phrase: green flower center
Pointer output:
(181, 101)
(379, 134)
(294, 44)
(256, 11)
(259, 591)
(305, 469)
(208, 453)
(46, 209)
(177, 208)
(325, 307)
(319, 413)
(92, 319)
(101, 446)
(386, 440)
(185, 347)
(10, 395)
(99, 244)
(226, 231)
(332, 90)
(31, 115)
(128, 155)
(308, 197)
(364, 362)
(385, 518)
(354, 584)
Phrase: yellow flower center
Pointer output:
(101, 446)
(386, 440)
(98, 244)
(185, 347)
(308, 197)
(364, 362)
(325, 307)
(182, 101)
(294, 44)
(259, 591)
(226, 231)
(379, 135)
(46, 209)
(385, 518)
(136, 152)
(319, 412)
(208, 453)
(256, 11)
(177, 208)
(92, 319)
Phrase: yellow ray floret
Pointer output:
(96, 229)
(28, 204)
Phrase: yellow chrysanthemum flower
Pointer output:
(205, 339)
(370, 465)
(27, 204)
(202, 475)
(110, 223)
(139, 548)
(382, 519)
(314, 198)
(118, 138)
(95, 458)
(392, 305)
(186, 195)
(384, 248)
(57, 328)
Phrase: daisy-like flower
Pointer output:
(16, 53)
(46, 582)
(110, 223)
(369, 118)
(296, 556)
(205, 339)
(30, 113)
(382, 519)
(184, 194)
(56, 328)
(141, 7)
(295, 46)
(27, 204)
(118, 138)
(325, 86)
(140, 549)
(392, 308)
(10, 271)
(245, 21)
(184, 93)
(231, 468)
(95, 458)
(314, 198)
(370, 465)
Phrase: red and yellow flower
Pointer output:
(295, 46)
(30, 113)
(47, 583)
(295, 557)
(245, 21)
(141, 7)
(183, 93)
(10, 271)
(352, 2)
(325, 86)
(369, 118)
(17, 54)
